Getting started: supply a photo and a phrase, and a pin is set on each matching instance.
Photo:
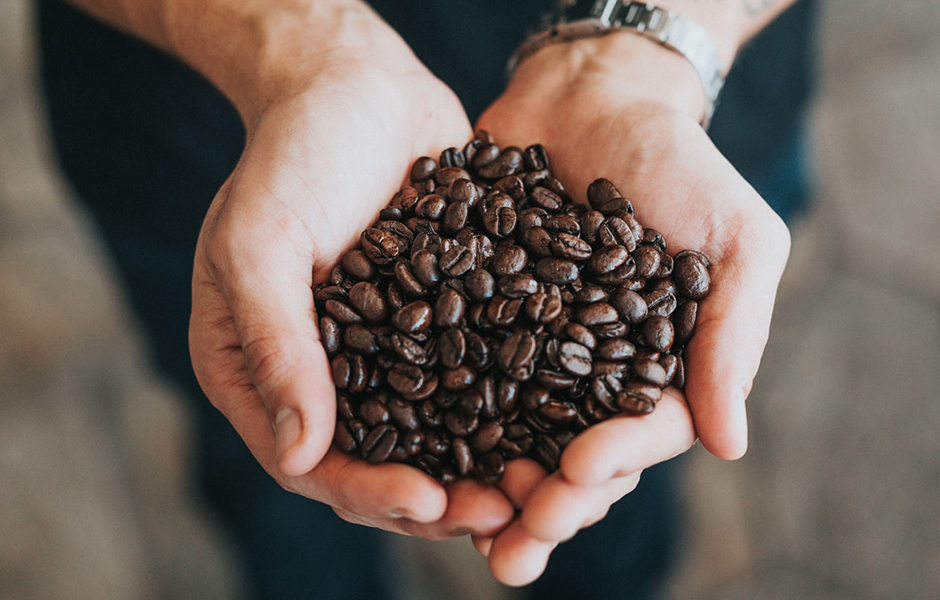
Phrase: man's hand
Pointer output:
(643, 134)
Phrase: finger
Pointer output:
(625, 445)
(558, 509)
(472, 508)
(521, 477)
(260, 264)
(516, 558)
(733, 325)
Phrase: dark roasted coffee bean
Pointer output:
(591, 222)
(455, 217)
(414, 317)
(651, 372)
(330, 335)
(630, 306)
(379, 444)
(360, 339)
(368, 302)
(530, 217)
(343, 438)
(485, 155)
(596, 314)
(431, 207)
(556, 270)
(536, 158)
(537, 241)
(499, 221)
(607, 259)
(647, 260)
(461, 423)
(605, 389)
(404, 378)
(605, 367)
(554, 380)
(517, 285)
(372, 412)
(449, 309)
(534, 396)
(670, 365)
(558, 411)
(490, 468)
(463, 457)
(575, 358)
(412, 442)
(358, 265)
(512, 186)
(341, 370)
(509, 162)
(423, 169)
(616, 349)
(330, 292)
(570, 246)
(358, 374)
(448, 175)
(508, 394)
(344, 406)
(465, 191)
(342, 313)
(452, 347)
(395, 297)
(684, 319)
(456, 260)
(391, 213)
(562, 224)
(517, 355)
(542, 307)
(546, 199)
(546, 452)
(470, 402)
(486, 437)
(590, 294)
(502, 311)
(659, 333)
(459, 379)
(508, 259)
(381, 246)
(403, 413)
(666, 265)
(425, 268)
(607, 331)
(619, 276)
(617, 207)
(480, 285)
(614, 231)
(407, 280)
(581, 334)
(478, 353)
(601, 191)
(430, 417)
(690, 272)
(638, 397)
(452, 157)
(661, 303)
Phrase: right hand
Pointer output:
(321, 160)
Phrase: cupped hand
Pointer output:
(637, 124)
(319, 163)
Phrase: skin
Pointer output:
(336, 107)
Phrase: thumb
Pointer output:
(255, 342)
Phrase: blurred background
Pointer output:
(837, 499)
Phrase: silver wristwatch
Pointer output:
(574, 19)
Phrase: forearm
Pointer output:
(256, 50)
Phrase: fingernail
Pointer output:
(401, 513)
(287, 428)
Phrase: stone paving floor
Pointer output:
(837, 499)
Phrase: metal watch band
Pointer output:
(575, 19)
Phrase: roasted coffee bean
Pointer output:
(452, 157)
(343, 438)
(619, 276)
(570, 246)
(465, 191)
(517, 355)
(425, 267)
(542, 307)
(608, 331)
(546, 199)
(407, 280)
(691, 274)
(490, 468)
(381, 246)
(581, 334)
(554, 380)
(460, 423)
(512, 186)
(463, 456)
(616, 349)
(601, 191)
(661, 303)
(459, 379)
(559, 411)
(651, 371)
(478, 353)
(372, 412)
(486, 437)
(614, 231)
(403, 413)
(342, 313)
(596, 314)
(509, 162)
(451, 347)
(562, 224)
(500, 220)
(666, 265)
(559, 271)
(358, 265)
(537, 241)
(430, 416)
(517, 285)
(423, 169)
(508, 392)
(616, 207)
(534, 396)
(536, 158)
(480, 285)
(456, 260)
(379, 444)
(638, 397)
(684, 319)
(360, 339)
(508, 259)
(607, 259)
(404, 378)
(368, 302)
(449, 309)
(502, 311)
(484, 155)
(412, 441)
(455, 217)
(575, 358)
(659, 333)
(546, 452)
(448, 175)
(431, 207)
(414, 317)
(530, 217)
(647, 260)
(630, 306)
(330, 335)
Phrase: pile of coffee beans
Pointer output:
(485, 316)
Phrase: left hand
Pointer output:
(635, 120)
